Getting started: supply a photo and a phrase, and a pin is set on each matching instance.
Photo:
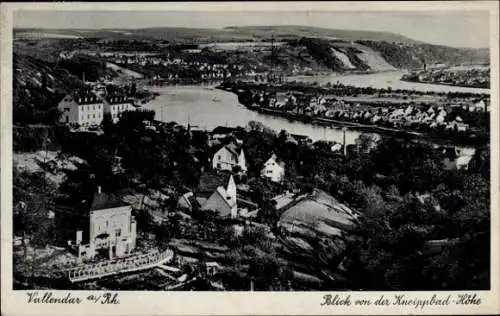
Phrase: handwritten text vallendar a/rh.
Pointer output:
(50, 298)
(36, 297)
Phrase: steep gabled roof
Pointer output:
(276, 160)
(210, 181)
(223, 194)
(280, 162)
(188, 200)
(233, 149)
(103, 201)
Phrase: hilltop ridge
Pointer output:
(311, 31)
(230, 33)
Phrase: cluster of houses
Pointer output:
(207, 71)
(123, 56)
(459, 76)
(217, 189)
(87, 108)
(397, 116)
(104, 224)
(105, 227)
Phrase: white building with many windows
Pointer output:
(82, 108)
(116, 105)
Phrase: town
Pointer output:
(208, 163)
(435, 114)
(458, 76)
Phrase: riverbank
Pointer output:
(333, 123)
(446, 84)
(206, 107)
(423, 130)
(365, 128)
(383, 80)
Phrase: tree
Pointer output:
(393, 246)
(107, 124)
(133, 89)
(268, 213)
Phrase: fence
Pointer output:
(113, 267)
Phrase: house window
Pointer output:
(94, 116)
(219, 157)
(118, 232)
(88, 116)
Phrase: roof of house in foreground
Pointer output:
(210, 181)
(319, 207)
(233, 149)
(103, 201)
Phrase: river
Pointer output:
(383, 80)
(207, 107)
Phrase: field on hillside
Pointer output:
(353, 50)
(250, 33)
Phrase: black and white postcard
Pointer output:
(250, 158)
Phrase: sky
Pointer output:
(451, 28)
